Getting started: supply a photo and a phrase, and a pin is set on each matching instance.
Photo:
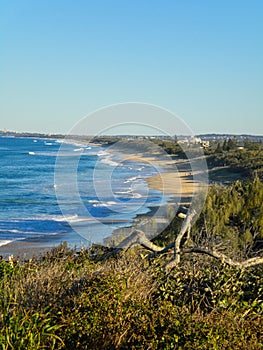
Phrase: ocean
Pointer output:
(80, 198)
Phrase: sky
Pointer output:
(63, 59)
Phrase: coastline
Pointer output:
(24, 250)
(176, 183)
(170, 181)
(165, 181)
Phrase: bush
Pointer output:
(71, 302)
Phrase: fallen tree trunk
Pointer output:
(138, 237)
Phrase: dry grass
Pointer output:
(70, 301)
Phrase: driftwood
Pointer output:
(135, 238)
(225, 259)
(138, 237)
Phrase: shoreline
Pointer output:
(23, 250)
(164, 182)
(172, 182)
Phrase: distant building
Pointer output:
(205, 144)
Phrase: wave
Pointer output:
(132, 179)
(11, 231)
(5, 242)
(45, 217)
(59, 141)
(64, 218)
(104, 204)
(102, 153)
(107, 158)
(20, 233)
(68, 218)
(137, 195)
(78, 149)
(123, 192)
(109, 161)
(31, 153)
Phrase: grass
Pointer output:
(70, 301)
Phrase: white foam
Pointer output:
(123, 192)
(106, 158)
(111, 203)
(4, 242)
(58, 218)
(78, 149)
(44, 217)
(131, 179)
(137, 195)
(102, 153)
(109, 161)
(31, 153)
(14, 231)
(100, 205)
(104, 204)
(48, 144)
(71, 218)
(66, 218)
(75, 219)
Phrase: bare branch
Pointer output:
(136, 237)
(186, 226)
(224, 258)
(163, 251)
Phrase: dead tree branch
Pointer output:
(224, 258)
(135, 238)
(138, 237)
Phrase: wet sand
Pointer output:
(24, 250)
(170, 181)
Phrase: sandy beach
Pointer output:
(24, 250)
(171, 181)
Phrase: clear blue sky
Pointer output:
(62, 59)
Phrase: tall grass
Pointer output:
(70, 301)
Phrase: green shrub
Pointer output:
(71, 302)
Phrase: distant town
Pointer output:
(203, 139)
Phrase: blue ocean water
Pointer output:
(35, 205)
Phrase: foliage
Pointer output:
(71, 302)
(231, 219)
(245, 158)
(234, 215)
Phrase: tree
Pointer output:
(219, 148)
(225, 145)
(231, 221)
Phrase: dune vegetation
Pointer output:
(77, 300)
